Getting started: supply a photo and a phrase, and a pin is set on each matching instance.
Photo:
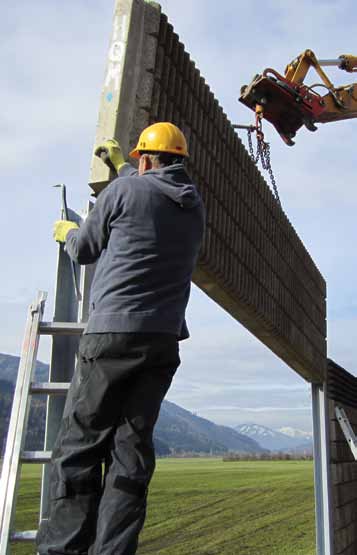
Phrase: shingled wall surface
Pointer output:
(342, 392)
(252, 264)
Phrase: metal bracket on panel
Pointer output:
(348, 432)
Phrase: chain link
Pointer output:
(250, 146)
(262, 154)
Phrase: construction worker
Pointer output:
(144, 232)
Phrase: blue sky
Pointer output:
(53, 59)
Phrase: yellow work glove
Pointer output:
(61, 228)
(111, 154)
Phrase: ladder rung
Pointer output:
(61, 328)
(36, 456)
(25, 536)
(50, 388)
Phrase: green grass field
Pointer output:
(210, 507)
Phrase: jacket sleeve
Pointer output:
(84, 245)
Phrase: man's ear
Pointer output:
(145, 163)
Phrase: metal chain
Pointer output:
(263, 154)
(254, 157)
(266, 164)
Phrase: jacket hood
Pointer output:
(174, 182)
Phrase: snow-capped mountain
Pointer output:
(293, 432)
(274, 440)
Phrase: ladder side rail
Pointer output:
(18, 421)
(10, 438)
(347, 430)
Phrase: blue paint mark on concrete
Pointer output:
(110, 97)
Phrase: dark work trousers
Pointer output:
(109, 416)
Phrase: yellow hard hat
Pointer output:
(161, 137)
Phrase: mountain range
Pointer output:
(184, 431)
(177, 431)
(285, 439)
(292, 432)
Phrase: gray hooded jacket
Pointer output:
(145, 232)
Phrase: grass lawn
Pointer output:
(210, 507)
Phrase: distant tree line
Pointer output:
(268, 456)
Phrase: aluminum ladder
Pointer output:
(347, 430)
(15, 454)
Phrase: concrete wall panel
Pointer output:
(340, 389)
(252, 263)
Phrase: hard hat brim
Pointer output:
(134, 153)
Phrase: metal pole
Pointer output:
(63, 356)
(247, 127)
(323, 512)
(87, 274)
(331, 62)
(66, 217)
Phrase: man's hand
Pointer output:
(111, 154)
(61, 228)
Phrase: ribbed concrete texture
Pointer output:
(342, 392)
(252, 264)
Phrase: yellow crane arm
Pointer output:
(288, 103)
(340, 102)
